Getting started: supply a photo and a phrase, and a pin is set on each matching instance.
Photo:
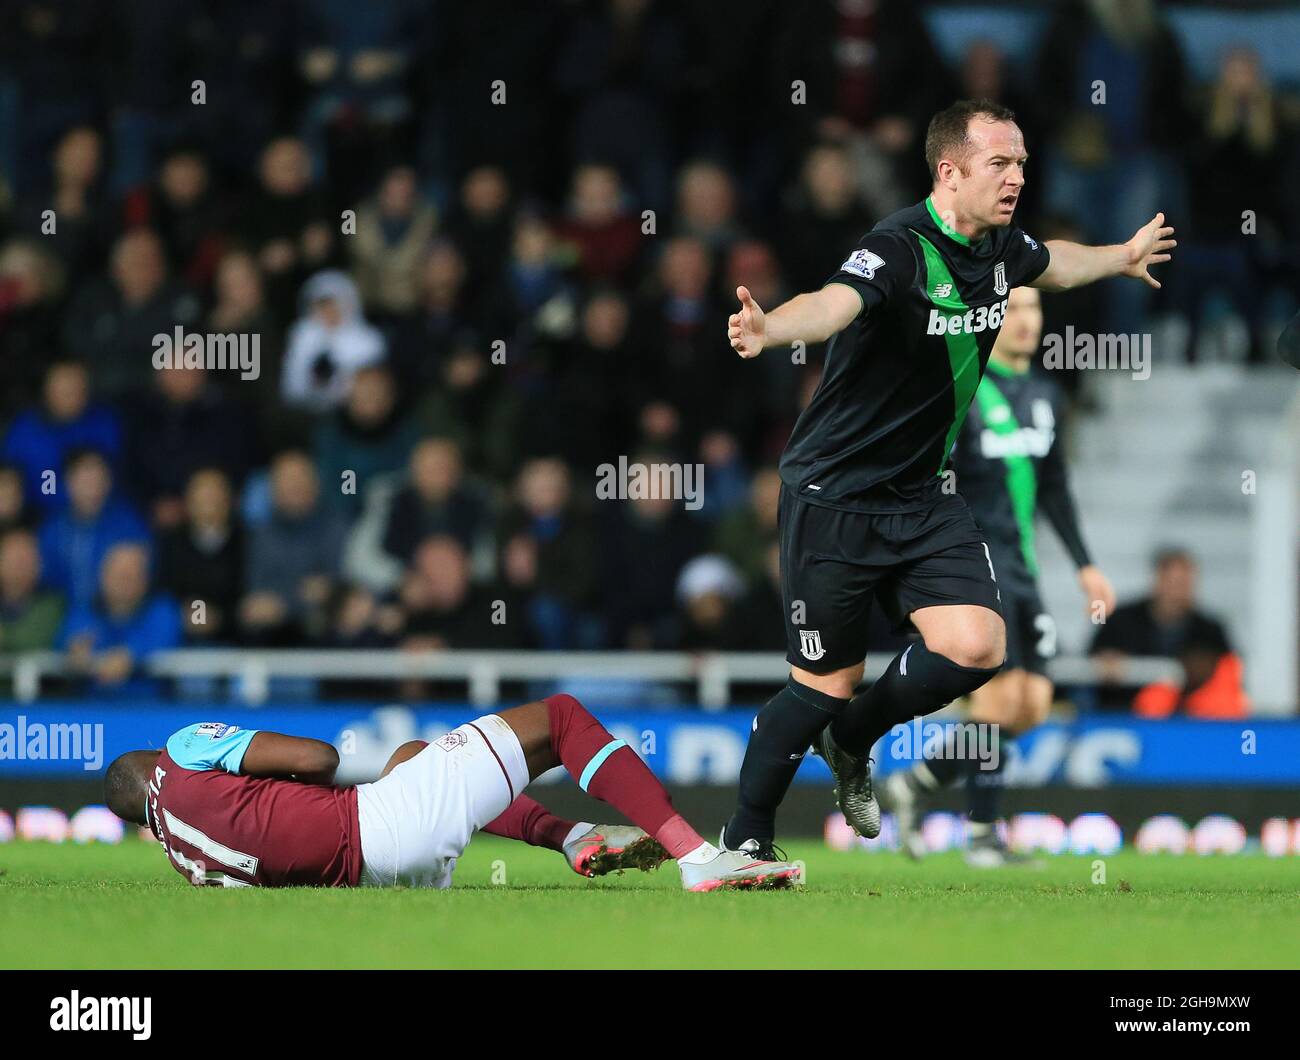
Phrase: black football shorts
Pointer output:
(834, 563)
(1031, 632)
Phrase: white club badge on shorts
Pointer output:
(810, 644)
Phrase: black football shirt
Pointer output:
(899, 378)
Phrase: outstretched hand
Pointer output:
(1149, 246)
(747, 329)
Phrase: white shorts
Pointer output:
(417, 821)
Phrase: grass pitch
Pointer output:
(123, 907)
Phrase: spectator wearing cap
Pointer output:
(707, 590)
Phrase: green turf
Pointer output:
(123, 906)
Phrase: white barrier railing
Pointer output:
(483, 671)
(1273, 678)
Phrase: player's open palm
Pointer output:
(747, 329)
(1149, 246)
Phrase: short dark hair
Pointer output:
(78, 454)
(126, 784)
(1167, 554)
(948, 134)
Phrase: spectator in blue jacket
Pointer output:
(109, 639)
(41, 437)
(75, 541)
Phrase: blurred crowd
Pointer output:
(486, 247)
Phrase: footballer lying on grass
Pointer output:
(237, 808)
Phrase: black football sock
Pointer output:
(984, 785)
(915, 683)
(783, 731)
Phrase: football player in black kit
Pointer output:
(1008, 465)
(911, 316)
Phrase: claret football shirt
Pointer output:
(222, 829)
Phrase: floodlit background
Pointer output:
(471, 252)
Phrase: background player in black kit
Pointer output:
(911, 317)
(1008, 464)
